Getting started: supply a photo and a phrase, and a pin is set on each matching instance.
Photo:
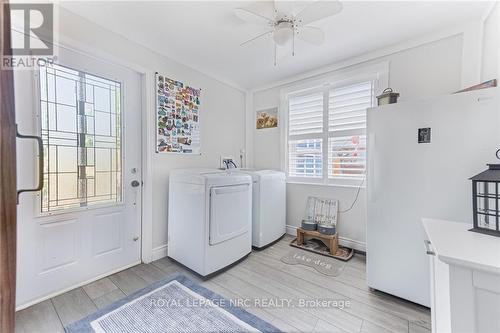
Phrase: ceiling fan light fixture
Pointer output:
(288, 21)
(283, 33)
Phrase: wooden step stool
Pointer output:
(332, 241)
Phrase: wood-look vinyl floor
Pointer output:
(260, 278)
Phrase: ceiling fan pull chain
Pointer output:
(293, 40)
(275, 61)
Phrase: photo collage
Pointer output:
(178, 119)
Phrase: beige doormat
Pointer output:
(317, 246)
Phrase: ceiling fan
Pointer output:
(288, 20)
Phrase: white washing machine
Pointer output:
(209, 218)
(269, 206)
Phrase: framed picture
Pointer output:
(267, 118)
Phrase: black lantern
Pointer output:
(486, 197)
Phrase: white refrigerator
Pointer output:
(420, 157)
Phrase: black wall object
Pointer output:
(424, 135)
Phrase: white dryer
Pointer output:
(269, 206)
(209, 218)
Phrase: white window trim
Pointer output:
(378, 73)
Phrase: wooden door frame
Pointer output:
(8, 186)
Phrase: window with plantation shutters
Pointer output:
(347, 107)
(305, 158)
(327, 133)
(305, 128)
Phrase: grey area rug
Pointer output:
(175, 304)
(324, 265)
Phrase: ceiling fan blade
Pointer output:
(256, 37)
(263, 8)
(283, 8)
(251, 17)
(318, 10)
(311, 35)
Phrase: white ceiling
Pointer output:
(206, 35)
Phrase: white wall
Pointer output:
(430, 69)
(222, 113)
(490, 68)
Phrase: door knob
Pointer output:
(135, 183)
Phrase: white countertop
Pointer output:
(454, 244)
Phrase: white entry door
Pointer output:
(86, 221)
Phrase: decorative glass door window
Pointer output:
(81, 131)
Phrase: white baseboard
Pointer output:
(291, 230)
(353, 244)
(159, 252)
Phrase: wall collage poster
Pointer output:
(177, 117)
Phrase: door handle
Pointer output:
(40, 162)
(135, 183)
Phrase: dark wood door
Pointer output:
(7, 183)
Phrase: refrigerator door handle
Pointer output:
(428, 248)
(371, 167)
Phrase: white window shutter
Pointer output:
(347, 109)
(347, 157)
(305, 114)
(305, 158)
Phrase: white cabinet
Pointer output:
(440, 293)
(465, 278)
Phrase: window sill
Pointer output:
(296, 182)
